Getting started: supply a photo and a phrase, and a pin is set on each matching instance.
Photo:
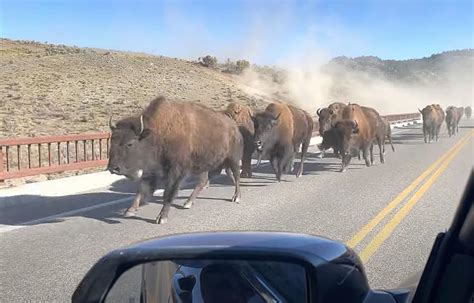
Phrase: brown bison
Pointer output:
(243, 116)
(370, 128)
(340, 137)
(468, 112)
(327, 117)
(279, 132)
(433, 117)
(452, 120)
(170, 140)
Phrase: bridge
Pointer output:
(52, 232)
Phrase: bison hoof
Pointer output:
(160, 220)
(343, 170)
(129, 214)
(236, 199)
(188, 204)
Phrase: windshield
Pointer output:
(122, 121)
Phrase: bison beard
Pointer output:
(170, 140)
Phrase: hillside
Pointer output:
(429, 70)
(56, 89)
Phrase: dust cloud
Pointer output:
(308, 84)
(303, 72)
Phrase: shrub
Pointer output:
(242, 65)
(208, 61)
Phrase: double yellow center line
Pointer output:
(437, 167)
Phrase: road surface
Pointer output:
(389, 213)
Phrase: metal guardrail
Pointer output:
(403, 117)
(23, 157)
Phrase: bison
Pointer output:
(452, 120)
(340, 137)
(327, 117)
(370, 128)
(433, 116)
(468, 112)
(170, 140)
(243, 116)
(279, 132)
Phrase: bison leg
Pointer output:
(288, 166)
(365, 154)
(304, 151)
(230, 174)
(381, 143)
(275, 164)
(234, 167)
(202, 181)
(285, 161)
(246, 165)
(346, 159)
(372, 153)
(171, 189)
(425, 131)
(146, 188)
(321, 155)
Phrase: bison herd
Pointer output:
(172, 139)
(433, 117)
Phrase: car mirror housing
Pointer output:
(327, 270)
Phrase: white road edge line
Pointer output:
(7, 228)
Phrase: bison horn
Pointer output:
(318, 112)
(419, 110)
(111, 124)
(356, 125)
(142, 126)
(278, 117)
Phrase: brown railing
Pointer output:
(22, 157)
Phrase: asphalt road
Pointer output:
(44, 261)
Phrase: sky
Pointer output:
(262, 31)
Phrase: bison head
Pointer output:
(128, 149)
(264, 126)
(326, 119)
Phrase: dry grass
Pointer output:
(49, 89)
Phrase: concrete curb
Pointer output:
(59, 187)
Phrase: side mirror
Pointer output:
(229, 267)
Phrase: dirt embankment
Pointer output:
(55, 89)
